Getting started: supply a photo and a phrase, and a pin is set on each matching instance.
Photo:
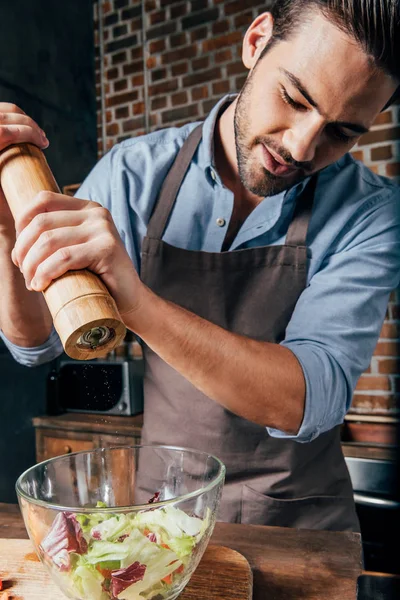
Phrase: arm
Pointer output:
(24, 317)
(262, 382)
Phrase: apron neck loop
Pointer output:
(172, 183)
(297, 232)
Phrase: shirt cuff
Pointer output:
(309, 428)
(38, 355)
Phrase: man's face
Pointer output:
(304, 105)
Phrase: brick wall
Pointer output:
(166, 62)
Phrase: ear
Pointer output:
(257, 35)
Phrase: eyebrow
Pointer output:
(303, 91)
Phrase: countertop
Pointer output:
(286, 563)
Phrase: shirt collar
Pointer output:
(208, 159)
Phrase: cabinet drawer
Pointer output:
(55, 443)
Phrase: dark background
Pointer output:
(46, 68)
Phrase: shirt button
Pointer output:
(213, 175)
(220, 222)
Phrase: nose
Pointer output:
(302, 138)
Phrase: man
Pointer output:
(266, 259)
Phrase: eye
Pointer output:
(338, 134)
(289, 100)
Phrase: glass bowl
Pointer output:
(126, 523)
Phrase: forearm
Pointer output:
(259, 381)
(24, 317)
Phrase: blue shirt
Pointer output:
(353, 237)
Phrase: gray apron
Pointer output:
(251, 292)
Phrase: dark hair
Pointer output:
(374, 24)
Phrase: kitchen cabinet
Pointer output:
(73, 432)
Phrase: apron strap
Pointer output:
(297, 232)
(172, 183)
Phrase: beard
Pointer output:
(253, 175)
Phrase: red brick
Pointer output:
(221, 41)
(220, 27)
(198, 34)
(395, 310)
(200, 63)
(243, 19)
(112, 129)
(223, 56)
(230, 8)
(198, 5)
(157, 17)
(387, 349)
(133, 67)
(161, 30)
(157, 103)
(381, 135)
(122, 112)
(370, 403)
(381, 153)
(383, 118)
(179, 68)
(150, 5)
(205, 76)
(122, 98)
(112, 73)
(178, 11)
(139, 108)
(235, 68)
(162, 88)
(138, 80)
(137, 53)
(179, 39)
(133, 124)
(120, 57)
(208, 105)
(120, 85)
(198, 18)
(158, 74)
(393, 169)
(221, 87)
(358, 154)
(151, 62)
(157, 46)
(184, 112)
(200, 93)
(176, 55)
(373, 382)
(390, 366)
(390, 330)
(179, 98)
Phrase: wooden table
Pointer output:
(287, 564)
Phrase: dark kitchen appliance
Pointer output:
(113, 387)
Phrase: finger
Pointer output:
(16, 134)
(65, 259)
(10, 107)
(49, 243)
(46, 202)
(42, 224)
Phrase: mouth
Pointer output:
(275, 164)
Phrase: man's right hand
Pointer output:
(15, 127)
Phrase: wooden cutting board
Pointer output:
(223, 574)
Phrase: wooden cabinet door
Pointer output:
(50, 443)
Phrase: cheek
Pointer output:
(328, 153)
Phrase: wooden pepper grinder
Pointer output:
(85, 315)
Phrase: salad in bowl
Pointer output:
(103, 536)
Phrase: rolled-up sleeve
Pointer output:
(37, 355)
(337, 319)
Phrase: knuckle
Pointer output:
(44, 197)
(39, 221)
(47, 239)
(64, 254)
